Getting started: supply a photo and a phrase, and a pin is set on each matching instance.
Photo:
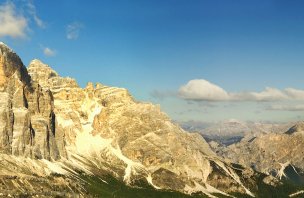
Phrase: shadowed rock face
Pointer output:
(11, 64)
(27, 126)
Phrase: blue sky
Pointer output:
(154, 48)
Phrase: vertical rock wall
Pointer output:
(27, 120)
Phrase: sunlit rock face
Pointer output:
(133, 141)
(27, 126)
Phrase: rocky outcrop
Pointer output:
(27, 126)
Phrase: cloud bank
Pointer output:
(12, 24)
(202, 90)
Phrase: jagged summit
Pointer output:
(47, 77)
(39, 65)
(6, 51)
(11, 64)
(4, 46)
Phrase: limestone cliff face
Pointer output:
(27, 126)
(112, 133)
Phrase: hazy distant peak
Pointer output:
(233, 120)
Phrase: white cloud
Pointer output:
(286, 107)
(12, 24)
(49, 52)
(73, 30)
(202, 90)
(15, 21)
(32, 11)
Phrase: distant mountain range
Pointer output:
(272, 148)
(279, 154)
(232, 130)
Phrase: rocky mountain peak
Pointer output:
(41, 72)
(11, 64)
(4, 46)
(38, 64)
(47, 77)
